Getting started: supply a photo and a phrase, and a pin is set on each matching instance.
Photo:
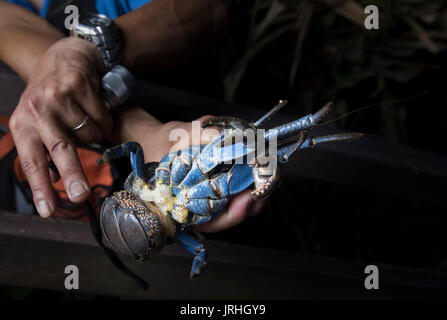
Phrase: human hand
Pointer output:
(62, 90)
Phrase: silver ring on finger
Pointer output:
(81, 125)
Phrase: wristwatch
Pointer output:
(104, 33)
(118, 85)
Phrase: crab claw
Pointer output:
(198, 267)
(264, 180)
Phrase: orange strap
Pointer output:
(6, 142)
(96, 176)
(4, 121)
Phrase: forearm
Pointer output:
(135, 124)
(24, 38)
(165, 32)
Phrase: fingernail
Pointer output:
(77, 189)
(44, 209)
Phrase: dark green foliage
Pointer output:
(309, 53)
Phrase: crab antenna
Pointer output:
(271, 113)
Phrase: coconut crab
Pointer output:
(161, 202)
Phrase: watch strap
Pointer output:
(107, 40)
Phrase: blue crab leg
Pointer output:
(270, 114)
(203, 205)
(286, 151)
(163, 170)
(175, 165)
(292, 128)
(182, 163)
(211, 196)
(129, 149)
(194, 246)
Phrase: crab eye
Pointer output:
(130, 228)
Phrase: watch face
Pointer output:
(95, 20)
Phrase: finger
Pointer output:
(208, 134)
(240, 208)
(94, 107)
(73, 116)
(184, 134)
(33, 159)
(84, 129)
(85, 91)
(66, 159)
